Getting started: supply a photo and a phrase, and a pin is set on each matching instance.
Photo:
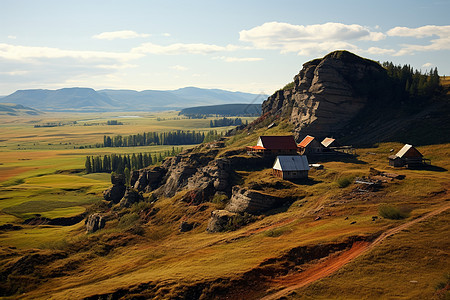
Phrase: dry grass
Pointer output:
(164, 256)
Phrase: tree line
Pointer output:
(225, 122)
(412, 85)
(123, 164)
(179, 137)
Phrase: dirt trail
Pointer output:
(335, 262)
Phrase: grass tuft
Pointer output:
(391, 212)
(344, 182)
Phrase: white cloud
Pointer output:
(420, 32)
(12, 37)
(15, 73)
(181, 48)
(304, 39)
(238, 59)
(426, 65)
(442, 42)
(179, 68)
(122, 34)
(13, 52)
(166, 34)
(381, 51)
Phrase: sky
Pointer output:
(246, 45)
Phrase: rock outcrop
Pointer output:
(219, 220)
(130, 197)
(252, 202)
(117, 191)
(94, 222)
(199, 173)
(327, 94)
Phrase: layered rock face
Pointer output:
(327, 94)
(197, 172)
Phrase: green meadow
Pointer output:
(42, 168)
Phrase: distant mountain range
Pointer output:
(89, 100)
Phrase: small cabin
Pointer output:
(291, 167)
(277, 145)
(408, 157)
(309, 145)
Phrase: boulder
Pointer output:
(252, 201)
(94, 222)
(114, 193)
(117, 191)
(186, 226)
(219, 220)
(117, 179)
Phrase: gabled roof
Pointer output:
(284, 142)
(408, 151)
(306, 141)
(291, 163)
(327, 141)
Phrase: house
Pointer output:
(309, 145)
(277, 145)
(291, 167)
(408, 157)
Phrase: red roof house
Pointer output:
(284, 144)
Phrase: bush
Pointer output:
(238, 221)
(344, 182)
(128, 220)
(220, 200)
(393, 213)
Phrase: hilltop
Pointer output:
(12, 109)
(361, 103)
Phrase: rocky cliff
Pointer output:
(327, 94)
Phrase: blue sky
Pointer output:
(249, 46)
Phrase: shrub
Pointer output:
(239, 220)
(344, 182)
(220, 200)
(275, 232)
(128, 220)
(391, 212)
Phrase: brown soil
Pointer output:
(333, 263)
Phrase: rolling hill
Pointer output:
(89, 100)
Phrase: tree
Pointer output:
(88, 165)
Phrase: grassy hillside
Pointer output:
(141, 253)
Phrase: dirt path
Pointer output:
(335, 262)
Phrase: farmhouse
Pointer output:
(408, 157)
(309, 145)
(291, 167)
(277, 145)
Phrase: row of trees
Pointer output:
(179, 137)
(113, 122)
(226, 122)
(125, 163)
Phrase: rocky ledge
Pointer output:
(327, 94)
